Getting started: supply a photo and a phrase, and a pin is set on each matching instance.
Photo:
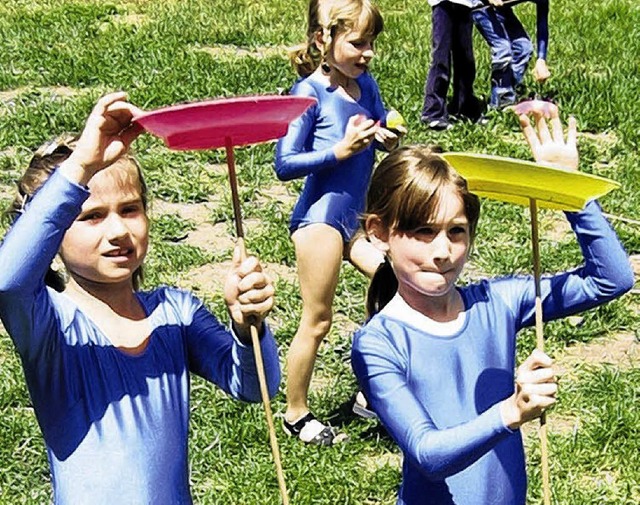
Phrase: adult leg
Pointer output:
(491, 29)
(319, 250)
(464, 102)
(521, 46)
(437, 83)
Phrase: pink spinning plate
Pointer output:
(218, 123)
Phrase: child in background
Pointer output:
(107, 366)
(332, 145)
(511, 47)
(451, 53)
(437, 361)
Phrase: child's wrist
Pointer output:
(75, 171)
(510, 413)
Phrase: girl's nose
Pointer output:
(368, 52)
(116, 228)
(441, 247)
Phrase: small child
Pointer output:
(451, 53)
(511, 47)
(437, 360)
(107, 366)
(331, 145)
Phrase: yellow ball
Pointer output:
(394, 119)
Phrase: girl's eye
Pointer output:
(90, 216)
(131, 209)
(426, 230)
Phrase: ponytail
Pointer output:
(382, 289)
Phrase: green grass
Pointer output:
(57, 57)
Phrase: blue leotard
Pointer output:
(334, 191)
(438, 393)
(115, 425)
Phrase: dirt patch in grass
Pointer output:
(621, 350)
(62, 91)
(231, 51)
(374, 462)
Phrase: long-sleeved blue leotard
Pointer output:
(115, 424)
(438, 393)
(334, 191)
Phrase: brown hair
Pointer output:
(404, 193)
(44, 162)
(331, 17)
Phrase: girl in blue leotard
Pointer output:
(437, 360)
(332, 145)
(107, 365)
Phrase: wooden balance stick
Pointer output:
(544, 450)
(275, 450)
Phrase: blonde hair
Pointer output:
(44, 162)
(404, 194)
(330, 17)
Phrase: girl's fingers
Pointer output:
(557, 132)
(537, 376)
(529, 133)
(535, 360)
(572, 132)
(543, 129)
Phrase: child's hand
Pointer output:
(107, 135)
(390, 138)
(496, 3)
(359, 134)
(536, 390)
(248, 292)
(541, 72)
(549, 147)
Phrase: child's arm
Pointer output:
(439, 452)
(107, 135)
(216, 355)
(296, 155)
(606, 273)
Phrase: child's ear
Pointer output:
(377, 233)
(319, 40)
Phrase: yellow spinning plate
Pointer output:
(518, 181)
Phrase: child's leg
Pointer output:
(364, 255)
(319, 250)
(437, 83)
(464, 102)
(521, 45)
(490, 27)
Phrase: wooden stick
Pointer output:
(255, 340)
(544, 451)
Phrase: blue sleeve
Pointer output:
(216, 355)
(542, 28)
(439, 453)
(295, 156)
(26, 254)
(606, 273)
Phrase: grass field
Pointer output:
(58, 56)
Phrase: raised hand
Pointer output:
(360, 133)
(535, 392)
(248, 293)
(106, 136)
(549, 146)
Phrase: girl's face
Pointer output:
(428, 261)
(351, 52)
(108, 241)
